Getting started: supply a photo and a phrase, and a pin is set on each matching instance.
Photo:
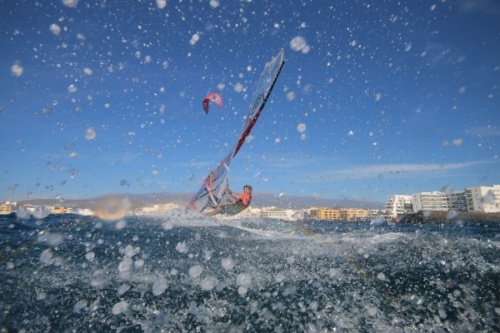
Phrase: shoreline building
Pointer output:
(7, 208)
(338, 214)
(275, 213)
(482, 199)
(485, 199)
(438, 201)
(353, 214)
(156, 209)
(324, 213)
(398, 205)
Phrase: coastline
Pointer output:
(446, 217)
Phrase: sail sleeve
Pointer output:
(261, 94)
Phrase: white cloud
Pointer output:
(338, 169)
(485, 7)
(484, 131)
(400, 170)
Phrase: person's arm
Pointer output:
(235, 196)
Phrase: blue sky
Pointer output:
(376, 97)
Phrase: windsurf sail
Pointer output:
(212, 189)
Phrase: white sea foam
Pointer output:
(195, 271)
(159, 286)
(349, 268)
(119, 307)
(227, 263)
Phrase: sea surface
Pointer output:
(186, 273)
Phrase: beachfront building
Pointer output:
(7, 208)
(456, 201)
(338, 214)
(281, 214)
(438, 201)
(324, 213)
(397, 205)
(155, 210)
(484, 199)
(353, 214)
(377, 214)
(250, 212)
(429, 201)
(57, 210)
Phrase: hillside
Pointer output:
(259, 200)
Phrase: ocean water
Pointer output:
(185, 273)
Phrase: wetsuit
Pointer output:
(240, 205)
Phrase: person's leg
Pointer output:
(213, 211)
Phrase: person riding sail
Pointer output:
(242, 202)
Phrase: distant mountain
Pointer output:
(182, 198)
(300, 202)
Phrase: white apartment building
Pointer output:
(281, 214)
(484, 199)
(438, 201)
(250, 212)
(398, 205)
(429, 201)
(155, 210)
(271, 213)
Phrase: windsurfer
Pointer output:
(242, 202)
